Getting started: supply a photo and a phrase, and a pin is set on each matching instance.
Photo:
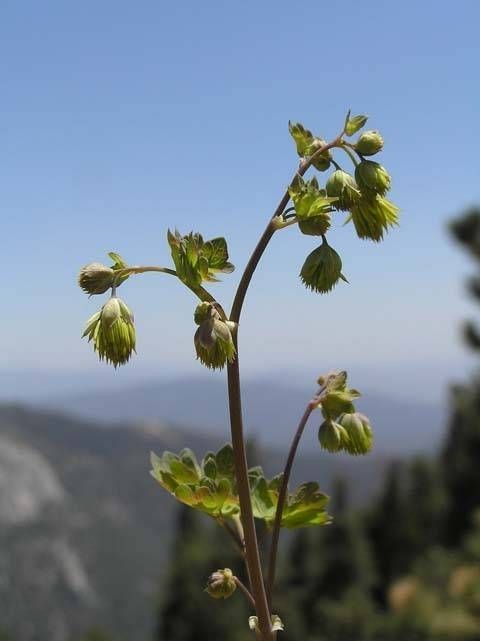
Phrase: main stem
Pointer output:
(252, 553)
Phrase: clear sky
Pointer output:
(120, 119)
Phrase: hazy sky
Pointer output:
(120, 119)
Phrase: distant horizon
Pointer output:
(420, 383)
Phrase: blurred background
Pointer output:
(120, 120)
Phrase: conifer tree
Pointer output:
(461, 451)
(388, 531)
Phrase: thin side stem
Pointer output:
(198, 290)
(282, 495)
(245, 591)
(147, 268)
(349, 153)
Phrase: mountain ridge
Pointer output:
(93, 551)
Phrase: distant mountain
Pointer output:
(271, 411)
(84, 529)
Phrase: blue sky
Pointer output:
(121, 119)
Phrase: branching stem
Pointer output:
(252, 553)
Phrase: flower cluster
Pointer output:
(362, 195)
(343, 429)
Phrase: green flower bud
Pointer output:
(332, 436)
(315, 225)
(221, 584)
(203, 311)
(360, 434)
(213, 341)
(369, 143)
(321, 162)
(342, 186)
(322, 269)
(372, 177)
(112, 332)
(372, 216)
(96, 278)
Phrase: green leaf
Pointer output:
(196, 260)
(209, 487)
(183, 473)
(226, 462)
(210, 466)
(263, 503)
(118, 263)
(306, 508)
(303, 138)
(189, 459)
(309, 200)
(216, 253)
(354, 123)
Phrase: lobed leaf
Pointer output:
(211, 488)
(197, 260)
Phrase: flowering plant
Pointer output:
(222, 485)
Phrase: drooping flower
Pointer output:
(213, 339)
(112, 332)
(373, 215)
(372, 177)
(360, 434)
(322, 269)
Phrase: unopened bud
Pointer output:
(372, 177)
(321, 161)
(221, 584)
(369, 143)
(214, 343)
(96, 278)
(342, 186)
